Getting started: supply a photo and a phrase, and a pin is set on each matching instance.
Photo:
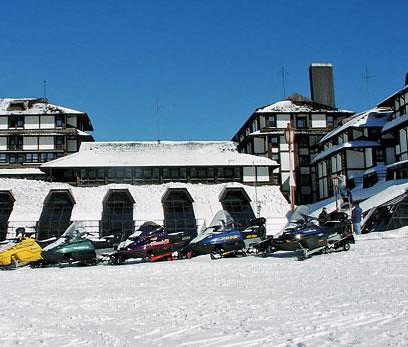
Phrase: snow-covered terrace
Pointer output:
(34, 106)
(154, 154)
(373, 118)
(347, 145)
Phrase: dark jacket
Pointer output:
(356, 214)
(323, 217)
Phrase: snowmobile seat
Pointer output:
(257, 221)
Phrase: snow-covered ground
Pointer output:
(358, 297)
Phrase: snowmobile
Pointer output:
(151, 242)
(223, 238)
(75, 247)
(307, 238)
(19, 251)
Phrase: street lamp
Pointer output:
(290, 139)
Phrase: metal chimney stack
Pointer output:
(406, 79)
(321, 83)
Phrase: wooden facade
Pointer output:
(263, 134)
(353, 148)
(32, 132)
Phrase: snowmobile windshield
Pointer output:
(74, 230)
(145, 229)
(222, 221)
(5, 245)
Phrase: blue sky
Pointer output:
(210, 63)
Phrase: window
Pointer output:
(380, 155)
(44, 157)
(272, 121)
(59, 142)
(32, 157)
(15, 143)
(6, 206)
(301, 122)
(304, 160)
(237, 204)
(274, 141)
(179, 212)
(302, 141)
(16, 158)
(59, 121)
(3, 158)
(117, 214)
(275, 156)
(329, 121)
(16, 121)
(305, 180)
(56, 215)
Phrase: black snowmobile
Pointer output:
(224, 238)
(306, 238)
(151, 242)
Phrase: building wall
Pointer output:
(41, 139)
(30, 196)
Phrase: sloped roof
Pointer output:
(297, 103)
(34, 106)
(389, 100)
(345, 145)
(156, 154)
(396, 122)
(375, 117)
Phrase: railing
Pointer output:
(93, 227)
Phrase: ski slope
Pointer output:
(358, 297)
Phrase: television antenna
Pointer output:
(283, 73)
(367, 77)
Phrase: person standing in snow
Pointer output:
(356, 218)
(323, 216)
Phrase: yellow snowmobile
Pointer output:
(19, 252)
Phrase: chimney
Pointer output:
(321, 83)
(406, 79)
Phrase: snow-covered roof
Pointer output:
(389, 100)
(373, 118)
(154, 154)
(82, 133)
(397, 164)
(345, 145)
(19, 172)
(33, 106)
(383, 192)
(394, 123)
(292, 105)
(378, 168)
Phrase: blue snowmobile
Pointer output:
(224, 238)
(305, 237)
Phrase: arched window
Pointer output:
(178, 211)
(56, 214)
(117, 215)
(237, 203)
(6, 206)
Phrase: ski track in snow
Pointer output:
(358, 297)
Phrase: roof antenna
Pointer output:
(283, 73)
(158, 108)
(45, 89)
(367, 77)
